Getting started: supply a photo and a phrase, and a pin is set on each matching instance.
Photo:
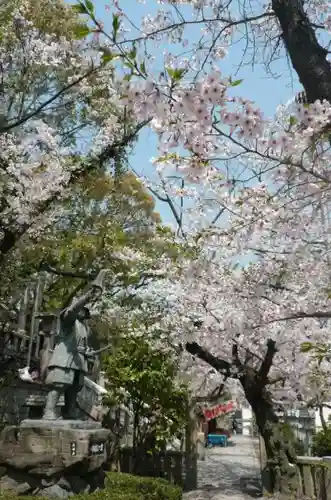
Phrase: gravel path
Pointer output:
(230, 473)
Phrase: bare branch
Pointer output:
(218, 364)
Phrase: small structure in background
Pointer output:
(217, 423)
(303, 423)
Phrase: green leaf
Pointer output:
(116, 25)
(175, 74)
(133, 52)
(129, 64)
(235, 83)
(143, 68)
(89, 6)
(79, 8)
(306, 347)
(293, 121)
(109, 56)
(81, 31)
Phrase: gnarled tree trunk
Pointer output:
(280, 472)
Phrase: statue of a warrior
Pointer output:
(68, 363)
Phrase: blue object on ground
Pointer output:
(216, 440)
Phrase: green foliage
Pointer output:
(176, 74)
(322, 443)
(85, 7)
(124, 487)
(293, 121)
(306, 347)
(235, 83)
(143, 487)
(145, 379)
(53, 17)
(25, 82)
(318, 351)
(102, 217)
(289, 436)
(116, 25)
(82, 31)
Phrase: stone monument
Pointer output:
(56, 456)
(68, 363)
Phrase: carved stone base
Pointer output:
(54, 459)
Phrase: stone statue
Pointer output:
(68, 362)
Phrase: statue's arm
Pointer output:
(95, 290)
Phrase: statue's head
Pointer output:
(84, 314)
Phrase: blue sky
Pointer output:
(265, 91)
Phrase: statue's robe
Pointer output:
(68, 359)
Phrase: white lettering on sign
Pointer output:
(97, 448)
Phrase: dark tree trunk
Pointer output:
(308, 57)
(322, 418)
(280, 471)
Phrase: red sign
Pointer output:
(210, 413)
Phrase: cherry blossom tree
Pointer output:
(256, 188)
(60, 117)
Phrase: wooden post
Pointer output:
(308, 480)
(327, 478)
(177, 467)
(34, 321)
(191, 479)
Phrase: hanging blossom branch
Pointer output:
(229, 23)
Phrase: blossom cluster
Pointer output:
(41, 109)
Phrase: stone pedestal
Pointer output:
(52, 458)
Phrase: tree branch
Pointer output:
(222, 366)
(35, 112)
(210, 398)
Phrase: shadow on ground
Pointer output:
(233, 478)
(231, 473)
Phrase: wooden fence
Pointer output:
(314, 475)
(168, 465)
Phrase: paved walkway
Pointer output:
(230, 473)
